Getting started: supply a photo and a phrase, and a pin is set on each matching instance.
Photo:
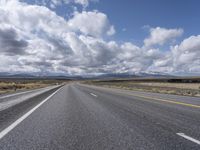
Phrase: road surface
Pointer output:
(83, 117)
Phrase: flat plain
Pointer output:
(177, 86)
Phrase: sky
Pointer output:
(91, 37)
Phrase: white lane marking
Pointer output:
(93, 94)
(15, 94)
(25, 92)
(9, 103)
(18, 121)
(188, 138)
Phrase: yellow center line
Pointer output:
(168, 101)
(158, 99)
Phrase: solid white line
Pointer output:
(188, 138)
(25, 92)
(93, 94)
(18, 121)
(15, 94)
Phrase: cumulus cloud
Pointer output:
(82, 2)
(55, 3)
(34, 38)
(158, 36)
(10, 43)
(91, 23)
(186, 55)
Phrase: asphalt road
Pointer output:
(82, 117)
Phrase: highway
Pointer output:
(84, 117)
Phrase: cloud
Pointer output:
(35, 39)
(84, 3)
(55, 3)
(159, 36)
(91, 23)
(186, 55)
(111, 31)
(10, 43)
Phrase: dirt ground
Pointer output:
(10, 86)
(188, 89)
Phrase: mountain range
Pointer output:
(99, 76)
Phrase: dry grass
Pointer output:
(194, 86)
(187, 89)
(7, 86)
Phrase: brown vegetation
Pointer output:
(189, 87)
(12, 85)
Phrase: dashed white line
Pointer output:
(189, 138)
(18, 121)
(93, 94)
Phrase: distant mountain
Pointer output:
(129, 75)
(112, 75)
(6, 75)
(154, 74)
(9, 75)
(79, 77)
